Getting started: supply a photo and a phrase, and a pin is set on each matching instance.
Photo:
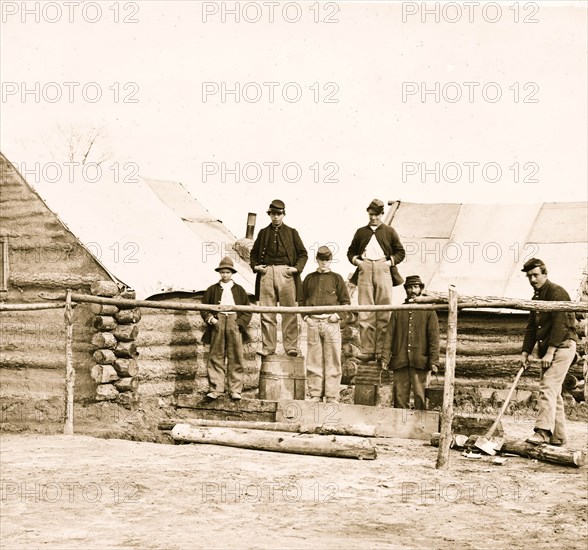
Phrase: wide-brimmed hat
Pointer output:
(324, 253)
(532, 264)
(226, 263)
(414, 280)
(377, 206)
(277, 206)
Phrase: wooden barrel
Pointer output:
(373, 386)
(282, 377)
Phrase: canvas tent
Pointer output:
(140, 239)
(481, 248)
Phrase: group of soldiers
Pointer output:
(405, 341)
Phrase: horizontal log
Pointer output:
(126, 316)
(505, 303)
(44, 279)
(104, 288)
(106, 392)
(127, 384)
(307, 444)
(529, 305)
(125, 350)
(104, 356)
(31, 307)
(545, 453)
(104, 340)
(126, 333)
(497, 367)
(103, 309)
(126, 367)
(104, 322)
(27, 360)
(103, 373)
(361, 430)
(174, 353)
(153, 338)
(477, 349)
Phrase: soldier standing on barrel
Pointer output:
(278, 257)
(376, 250)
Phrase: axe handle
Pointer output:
(505, 404)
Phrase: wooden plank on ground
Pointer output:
(329, 429)
(388, 422)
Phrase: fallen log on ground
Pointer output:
(307, 444)
(545, 453)
(362, 430)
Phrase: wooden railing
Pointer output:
(450, 302)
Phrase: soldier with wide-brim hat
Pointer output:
(225, 332)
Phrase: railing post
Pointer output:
(447, 409)
(70, 374)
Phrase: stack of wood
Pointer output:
(351, 347)
(116, 366)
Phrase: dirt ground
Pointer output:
(82, 492)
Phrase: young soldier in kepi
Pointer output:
(411, 348)
(376, 250)
(554, 332)
(225, 332)
(278, 257)
(323, 359)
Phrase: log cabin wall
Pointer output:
(40, 254)
(171, 358)
(489, 345)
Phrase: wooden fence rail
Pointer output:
(529, 305)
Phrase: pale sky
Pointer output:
(364, 59)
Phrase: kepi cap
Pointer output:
(414, 280)
(277, 206)
(532, 264)
(377, 206)
(226, 263)
(324, 253)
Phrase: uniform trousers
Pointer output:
(551, 415)
(278, 286)
(323, 358)
(226, 342)
(374, 286)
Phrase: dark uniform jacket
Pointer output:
(549, 328)
(324, 289)
(412, 340)
(295, 251)
(212, 296)
(388, 240)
